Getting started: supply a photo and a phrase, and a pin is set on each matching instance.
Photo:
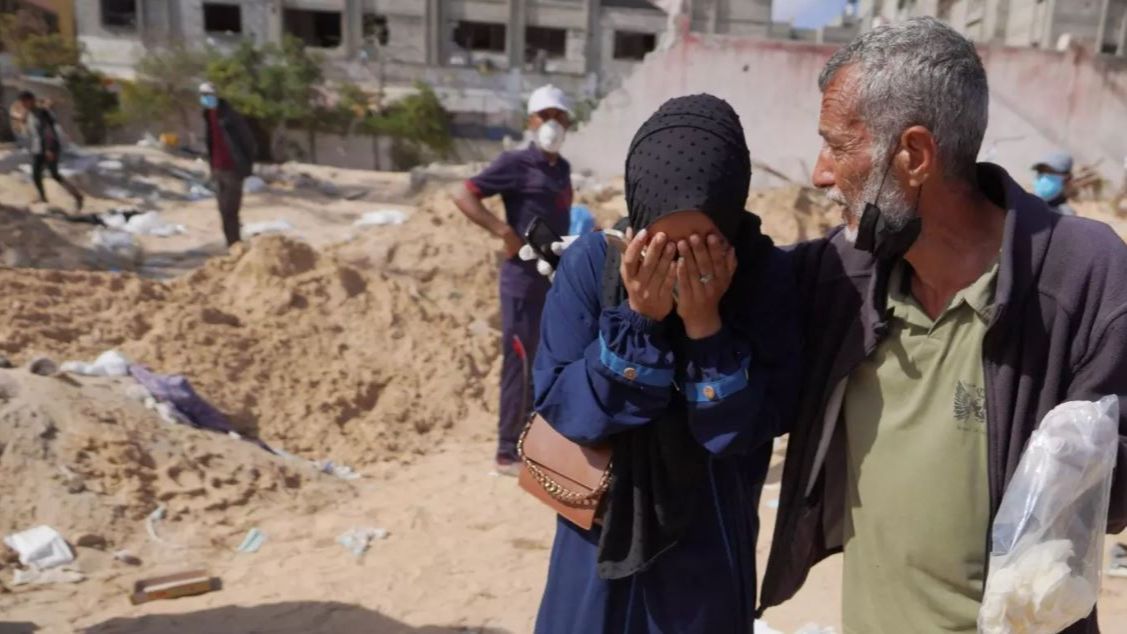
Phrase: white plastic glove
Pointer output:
(528, 254)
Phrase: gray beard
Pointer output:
(895, 204)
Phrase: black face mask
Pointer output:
(877, 236)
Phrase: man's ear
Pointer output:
(920, 154)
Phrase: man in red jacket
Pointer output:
(231, 152)
(946, 318)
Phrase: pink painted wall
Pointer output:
(1039, 101)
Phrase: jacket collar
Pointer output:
(1028, 229)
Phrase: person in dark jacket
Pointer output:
(941, 324)
(44, 140)
(684, 360)
(231, 151)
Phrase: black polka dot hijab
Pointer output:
(690, 154)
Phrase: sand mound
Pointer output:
(353, 362)
(87, 459)
(35, 241)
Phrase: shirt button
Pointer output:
(710, 393)
(630, 374)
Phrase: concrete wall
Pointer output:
(1040, 100)
(613, 71)
(111, 49)
(1079, 18)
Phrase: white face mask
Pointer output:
(550, 136)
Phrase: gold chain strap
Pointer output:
(557, 490)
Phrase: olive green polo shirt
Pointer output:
(917, 500)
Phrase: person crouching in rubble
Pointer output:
(45, 143)
(231, 151)
(681, 353)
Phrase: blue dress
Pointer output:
(736, 403)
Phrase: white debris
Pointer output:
(197, 191)
(270, 226)
(111, 165)
(380, 218)
(814, 628)
(120, 243)
(40, 548)
(118, 192)
(344, 472)
(358, 540)
(35, 577)
(761, 627)
(150, 223)
(149, 141)
(254, 185)
(109, 363)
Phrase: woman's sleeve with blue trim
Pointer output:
(736, 399)
(597, 372)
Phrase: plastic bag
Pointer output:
(1047, 548)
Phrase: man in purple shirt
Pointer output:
(534, 182)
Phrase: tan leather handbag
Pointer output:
(570, 478)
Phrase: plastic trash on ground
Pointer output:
(253, 185)
(380, 218)
(270, 226)
(357, 540)
(252, 542)
(109, 363)
(150, 223)
(35, 577)
(1048, 535)
(40, 548)
(197, 191)
(120, 243)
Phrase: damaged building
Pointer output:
(479, 54)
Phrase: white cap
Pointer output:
(207, 89)
(546, 97)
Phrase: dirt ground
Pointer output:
(363, 346)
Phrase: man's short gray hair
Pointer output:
(920, 72)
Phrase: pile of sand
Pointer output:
(367, 353)
(87, 459)
(37, 241)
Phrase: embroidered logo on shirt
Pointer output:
(970, 403)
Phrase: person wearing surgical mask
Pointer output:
(231, 151)
(1052, 180)
(533, 183)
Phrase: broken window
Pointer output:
(375, 28)
(222, 18)
(119, 13)
(320, 29)
(480, 36)
(553, 43)
(633, 45)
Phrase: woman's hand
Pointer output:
(649, 278)
(704, 274)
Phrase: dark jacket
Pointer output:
(1058, 333)
(240, 140)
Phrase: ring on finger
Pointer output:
(706, 278)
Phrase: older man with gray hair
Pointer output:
(943, 321)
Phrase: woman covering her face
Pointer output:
(680, 352)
